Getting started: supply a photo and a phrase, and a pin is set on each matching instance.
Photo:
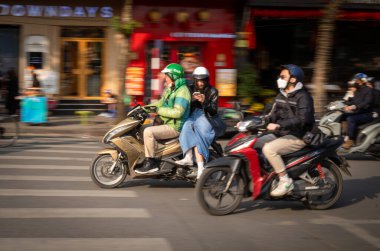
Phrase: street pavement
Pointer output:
(48, 202)
(69, 126)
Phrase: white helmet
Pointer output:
(201, 73)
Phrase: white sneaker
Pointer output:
(201, 167)
(284, 186)
(184, 162)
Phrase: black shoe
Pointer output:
(150, 166)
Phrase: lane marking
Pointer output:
(93, 244)
(43, 178)
(26, 157)
(28, 213)
(351, 226)
(44, 167)
(68, 193)
(44, 146)
(48, 151)
(58, 139)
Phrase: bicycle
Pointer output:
(9, 129)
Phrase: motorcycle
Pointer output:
(112, 165)
(368, 138)
(243, 172)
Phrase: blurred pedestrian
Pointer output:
(110, 100)
(35, 81)
(12, 91)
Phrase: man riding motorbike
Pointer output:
(359, 108)
(291, 116)
(173, 109)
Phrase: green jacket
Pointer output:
(174, 106)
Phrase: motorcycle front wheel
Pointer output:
(210, 191)
(334, 178)
(101, 175)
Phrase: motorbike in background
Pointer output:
(243, 172)
(368, 138)
(112, 165)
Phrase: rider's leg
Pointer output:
(273, 151)
(151, 135)
(353, 122)
(200, 162)
(187, 160)
(187, 140)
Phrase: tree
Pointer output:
(125, 26)
(323, 52)
(247, 79)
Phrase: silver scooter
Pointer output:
(368, 139)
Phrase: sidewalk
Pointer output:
(68, 126)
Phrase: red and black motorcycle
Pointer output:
(243, 172)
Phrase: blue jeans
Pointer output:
(197, 131)
(355, 120)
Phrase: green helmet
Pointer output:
(174, 71)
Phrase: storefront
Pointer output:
(286, 33)
(193, 35)
(68, 44)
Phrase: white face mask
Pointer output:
(281, 83)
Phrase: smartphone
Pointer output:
(196, 93)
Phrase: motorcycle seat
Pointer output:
(361, 127)
(328, 143)
(301, 152)
(167, 141)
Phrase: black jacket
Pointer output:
(376, 100)
(363, 99)
(210, 105)
(297, 121)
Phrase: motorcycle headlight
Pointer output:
(243, 125)
(112, 133)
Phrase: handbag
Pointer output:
(313, 138)
(218, 125)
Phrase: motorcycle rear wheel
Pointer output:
(99, 171)
(326, 201)
(209, 191)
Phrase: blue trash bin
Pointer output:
(34, 110)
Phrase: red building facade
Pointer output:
(194, 34)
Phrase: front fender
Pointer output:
(223, 162)
(235, 163)
(109, 151)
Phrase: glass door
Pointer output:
(82, 67)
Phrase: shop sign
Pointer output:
(202, 35)
(134, 82)
(226, 82)
(55, 11)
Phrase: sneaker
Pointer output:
(150, 166)
(192, 173)
(348, 144)
(284, 186)
(184, 162)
